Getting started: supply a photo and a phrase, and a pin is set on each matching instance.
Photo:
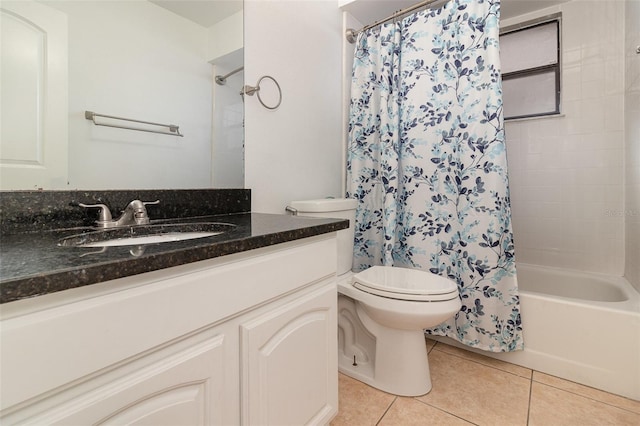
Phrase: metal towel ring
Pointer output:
(250, 90)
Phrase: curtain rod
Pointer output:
(352, 34)
(222, 79)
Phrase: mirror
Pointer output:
(147, 60)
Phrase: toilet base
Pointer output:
(403, 373)
(392, 360)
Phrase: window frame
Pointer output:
(556, 68)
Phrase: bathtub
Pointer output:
(583, 327)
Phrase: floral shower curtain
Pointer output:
(427, 162)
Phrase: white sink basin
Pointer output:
(146, 234)
(150, 239)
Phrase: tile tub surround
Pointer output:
(471, 389)
(567, 173)
(32, 264)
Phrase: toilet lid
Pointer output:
(405, 284)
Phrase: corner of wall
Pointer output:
(632, 143)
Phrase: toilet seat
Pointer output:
(405, 284)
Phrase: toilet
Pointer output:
(382, 312)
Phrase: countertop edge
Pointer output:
(46, 283)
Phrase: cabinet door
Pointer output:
(182, 383)
(289, 362)
(33, 107)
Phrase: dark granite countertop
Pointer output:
(33, 263)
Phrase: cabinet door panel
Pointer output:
(33, 106)
(182, 383)
(289, 362)
(184, 404)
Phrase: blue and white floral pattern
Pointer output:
(427, 163)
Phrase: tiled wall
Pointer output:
(566, 173)
(632, 142)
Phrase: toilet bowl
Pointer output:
(395, 358)
(382, 313)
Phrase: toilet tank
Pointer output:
(339, 208)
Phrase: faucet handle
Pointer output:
(104, 215)
(138, 211)
(141, 215)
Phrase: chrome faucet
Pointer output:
(134, 214)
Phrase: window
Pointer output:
(530, 58)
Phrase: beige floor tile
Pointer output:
(598, 395)
(359, 404)
(491, 362)
(411, 412)
(552, 406)
(476, 392)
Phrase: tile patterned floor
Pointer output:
(471, 389)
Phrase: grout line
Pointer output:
(489, 366)
(530, 398)
(445, 411)
(387, 410)
(585, 396)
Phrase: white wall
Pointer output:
(632, 143)
(566, 173)
(226, 52)
(228, 125)
(225, 37)
(348, 22)
(137, 60)
(293, 152)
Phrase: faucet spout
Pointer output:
(135, 214)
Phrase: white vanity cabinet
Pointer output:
(249, 338)
(287, 371)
